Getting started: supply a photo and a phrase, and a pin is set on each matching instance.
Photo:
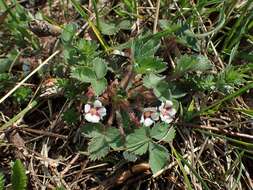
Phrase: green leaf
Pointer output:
(149, 65)
(158, 157)
(83, 74)
(188, 63)
(130, 156)
(162, 132)
(99, 86)
(144, 48)
(151, 80)
(18, 176)
(4, 65)
(92, 129)
(68, 33)
(100, 67)
(1, 181)
(125, 25)
(108, 28)
(98, 148)
(70, 116)
(138, 141)
(114, 138)
(22, 94)
(102, 140)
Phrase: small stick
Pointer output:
(224, 131)
(156, 16)
(70, 164)
(44, 133)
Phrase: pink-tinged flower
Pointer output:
(167, 112)
(149, 116)
(94, 112)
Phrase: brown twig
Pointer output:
(219, 130)
(40, 132)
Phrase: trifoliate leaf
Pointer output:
(18, 176)
(98, 148)
(158, 157)
(99, 86)
(83, 74)
(100, 67)
(163, 132)
(138, 141)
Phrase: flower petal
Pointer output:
(172, 112)
(102, 111)
(87, 108)
(166, 118)
(161, 107)
(155, 116)
(148, 122)
(97, 104)
(92, 118)
(168, 103)
(142, 119)
(151, 109)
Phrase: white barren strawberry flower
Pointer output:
(167, 112)
(149, 116)
(94, 112)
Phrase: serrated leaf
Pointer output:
(203, 64)
(68, 32)
(108, 28)
(188, 63)
(163, 132)
(138, 141)
(18, 176)
(146, 65)
(99, 86)
(125, 25)
(83, 74)
(129, 156)
(98, 148)
(92, 129)
(114, 138)
(144, 48)
(100, 67)
(158, 157)
(151, 80)
(1, 181)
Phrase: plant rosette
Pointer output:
(94, 112)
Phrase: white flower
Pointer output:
(149, 116)
(94, 112)
(167, 111)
